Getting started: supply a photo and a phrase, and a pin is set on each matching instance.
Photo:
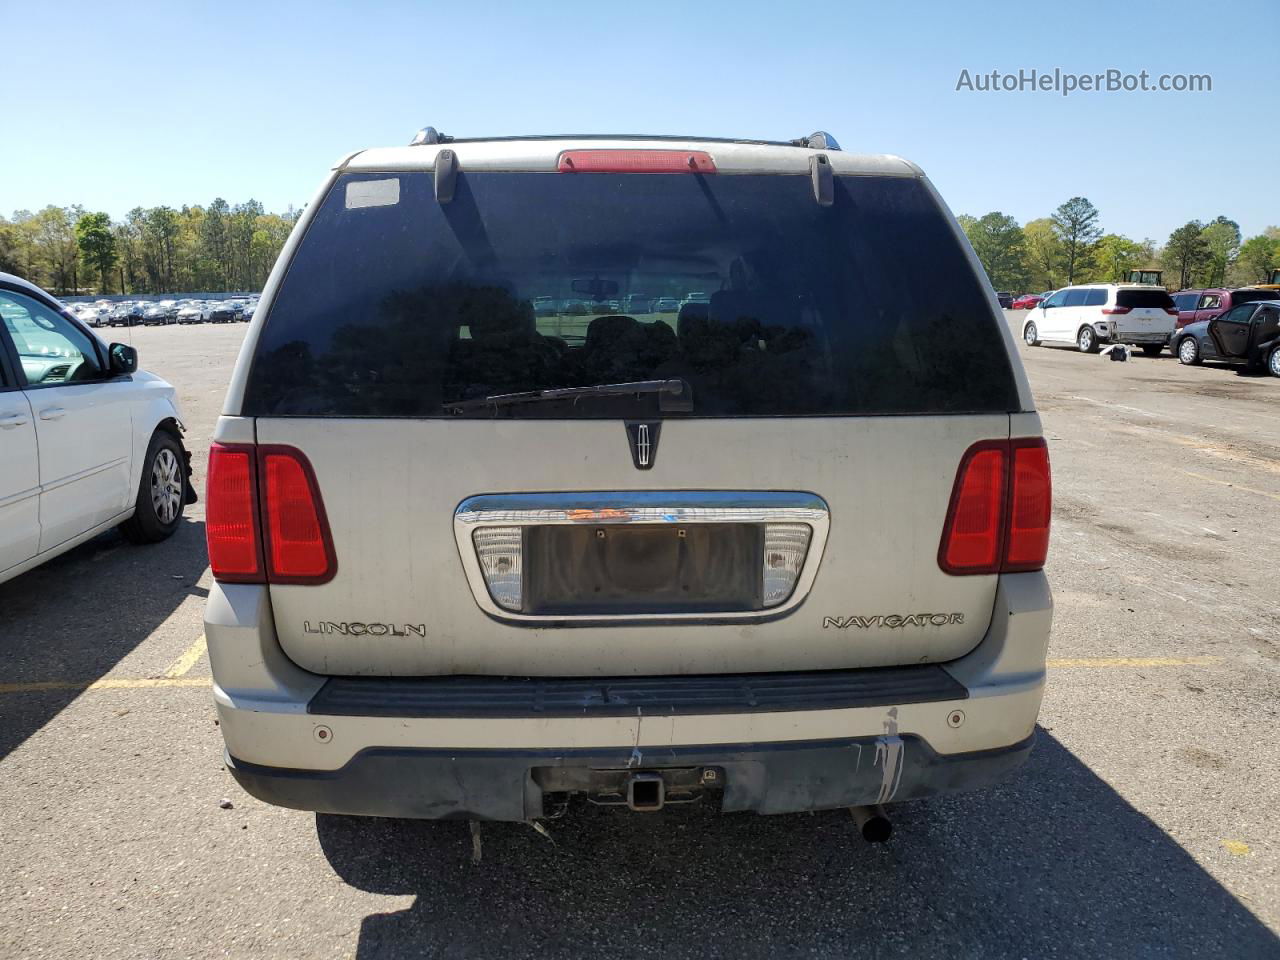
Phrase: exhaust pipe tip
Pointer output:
(873, 823)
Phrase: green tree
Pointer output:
(57, 251)
(1222, 237)
(1186, 252)
(97, 246)
(159, 233)
(1077, 229)
(1258, 256)
(1043, 254)
(1115, 255)
(997, 240)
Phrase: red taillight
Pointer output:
(998, 519)
(636, 161)
(971, 537)
(1115, 310)
(299, 548)
(263, 503)
(231, 515)
(1030, 504)
(1172, 311)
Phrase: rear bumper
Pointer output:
(507, 784)
(395, 748)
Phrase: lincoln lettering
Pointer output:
(894, 621)
(356, 629)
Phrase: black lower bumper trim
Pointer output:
(420, 697)
(503, 784)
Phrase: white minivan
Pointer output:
(1095, 314)
(87, 440)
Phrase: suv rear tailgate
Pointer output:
(400, 603)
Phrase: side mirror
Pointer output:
(124, 358)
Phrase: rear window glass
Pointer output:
(1250, 296)
(1095, 298)
(1157, 299)
(741, 289)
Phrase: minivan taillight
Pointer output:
(998, 519)
(1116, 310)
(264, 519)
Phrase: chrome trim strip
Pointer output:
(641, 507)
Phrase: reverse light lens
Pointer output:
(299, 547)
(500, 551)
(785, 547)
(231, 516)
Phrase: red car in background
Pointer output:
(1029, 300)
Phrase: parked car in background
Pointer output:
(1005, 299)
(154, 315)
(126, 313)
(1028, 300)
(666, 305)
(89, 441)
(223, 311)
(1246, 335)
(1196, 306)
(1091, 315)
(664, 583)
(193, 312)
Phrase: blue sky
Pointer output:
(113, 106)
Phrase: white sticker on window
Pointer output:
(373, 193)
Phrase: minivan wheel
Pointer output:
(1189, 352)
(1031, 335)
(161, 492)
(1087, 340)
(1152, 349)
(1273, 362)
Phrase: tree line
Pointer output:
(69, 250)
(1070, 246)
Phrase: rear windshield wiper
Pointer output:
(673, 395)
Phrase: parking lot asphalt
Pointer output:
(1145, 824)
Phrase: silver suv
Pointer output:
(781, 550)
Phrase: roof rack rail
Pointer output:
(428, 135)
(818, 140)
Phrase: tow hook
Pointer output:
(873, 823)
(646, 792)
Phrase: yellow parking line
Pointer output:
(184, 663)
(1134, 662)
(106, 683)
(1228, 483)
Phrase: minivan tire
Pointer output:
(1030, 335)
(1152, 349)
(1087, 340)
(157, 513)
(1189, 352)
(1273, 362)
